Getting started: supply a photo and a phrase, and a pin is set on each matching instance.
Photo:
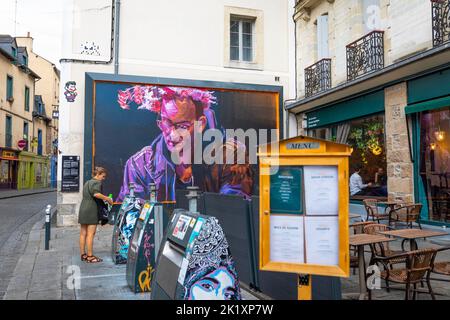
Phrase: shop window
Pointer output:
(367, 138)
(435, 163)
(38, 173)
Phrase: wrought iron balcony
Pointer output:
(318, 77)
(365, 55)
(440, 11)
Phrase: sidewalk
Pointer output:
(43, 275)
(5, 194)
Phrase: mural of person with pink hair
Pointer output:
(178, 108)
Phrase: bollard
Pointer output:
(193, 196)
(47, 226)
(153, 196)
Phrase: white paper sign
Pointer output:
(183, 269)
(181, 227)
(322, 240)
(321, 190)
(286, 239)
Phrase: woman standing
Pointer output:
(88, 217)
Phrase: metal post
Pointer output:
(47, 226)
(304, 287)
(193, 196)
(131, 188)
(152, 188)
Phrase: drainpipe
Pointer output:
(116, 36)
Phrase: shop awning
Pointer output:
(428, 105)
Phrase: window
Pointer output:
(25, 134)
(371, 15)
(367, 138)
(241, 39)
(27, 98)
(8, 132)
(434, 165)
(25, 60)
(9, 88)
(322, 37)
(14, 52)
(40, 142)
(40, 108)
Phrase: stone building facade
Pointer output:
(366, 61)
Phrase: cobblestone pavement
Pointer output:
(47, 275)
(17, 217)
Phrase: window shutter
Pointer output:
(322, 37)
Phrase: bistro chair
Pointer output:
(441, 267)
(406, 214)
(419, 264)
(382, 249)
(371, 206)
(356, 228)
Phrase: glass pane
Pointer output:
(234, 39)
(234, 26)
(247, 40)
(234, 53)
(247, 27)
(435, 163)
(248, 55)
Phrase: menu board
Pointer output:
(304, 208)
(70, 174)
(286, 190)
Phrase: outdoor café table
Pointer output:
(361, 240)
(390, 204)
(354, 216)
(413, 234)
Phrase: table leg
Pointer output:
(362, 273)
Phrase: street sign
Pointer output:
(22, 144)
(55, 114)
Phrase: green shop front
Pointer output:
(429, 112)
(33, 171)
(359, 122)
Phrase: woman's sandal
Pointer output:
(84, 257)
(93, 259)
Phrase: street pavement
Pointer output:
(49, 275)
(17, 217)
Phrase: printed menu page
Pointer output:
(322, 240)
(321, 190)
(286, 239)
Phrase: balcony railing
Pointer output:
(440, 11)
(318, 77)
(365, 55)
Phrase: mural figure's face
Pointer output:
(177, 123)
(71, 88)
(216, 285)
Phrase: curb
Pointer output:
(26, 194)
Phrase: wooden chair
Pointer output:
(371, 206)
(419, 264)
(441, 267)
(406, 214)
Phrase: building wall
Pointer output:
(15, 109)
(170, 39)
(406, 23)
(47, 87)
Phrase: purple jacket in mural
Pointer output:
(153, 164)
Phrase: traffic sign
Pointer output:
(22, 144)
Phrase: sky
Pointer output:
(42, 18)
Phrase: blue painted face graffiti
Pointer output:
(217, 285)
(211, 274)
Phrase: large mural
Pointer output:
(136, 132)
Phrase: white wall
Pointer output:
(171, 39)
